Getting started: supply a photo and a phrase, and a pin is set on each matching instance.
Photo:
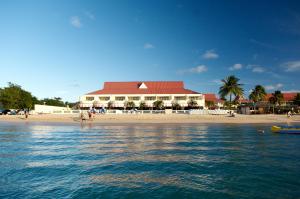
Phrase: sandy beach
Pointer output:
(154, 118)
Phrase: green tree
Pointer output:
(110, 104)
(296, 100)
(56, 101)
(209, 104)
(192, 104)
(159, 105)
(258, 94)
(276, 98)
(35, 101)
(142, 105)
(130, 104)
(231, 87)
(176, 105)
(14, 97)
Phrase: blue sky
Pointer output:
(69, 48)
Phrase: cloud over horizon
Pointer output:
(274, 87)
(291, 66)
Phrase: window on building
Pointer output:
(163, 98)
(104, 98)
(150, 98)
(180, 97)
(195, 98)
(89, 98)
(136, 98)
(120, 98)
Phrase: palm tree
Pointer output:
(276, 98)
(192, 104)
(158, 104)
(142, 105)
(231, 87)
(258, 94)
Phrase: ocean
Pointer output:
(44, 160)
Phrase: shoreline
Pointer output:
(153, 119)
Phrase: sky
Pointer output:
(61, 48)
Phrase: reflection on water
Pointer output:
(155, 160)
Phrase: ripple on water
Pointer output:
(147, 161)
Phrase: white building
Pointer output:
(117, 94)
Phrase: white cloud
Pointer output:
(236, 67)
(217, 81)
(90, 15)
(75, 21)
(291, 66)
(148, 46)
(197, 69)
(291, 91)
(258, 69)
(274, 87)
(210, 54)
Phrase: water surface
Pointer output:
(147, 161)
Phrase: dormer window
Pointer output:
(143, 86)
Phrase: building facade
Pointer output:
(118, 94)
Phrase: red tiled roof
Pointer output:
(286, 96)
(212, 97)
(159, 87)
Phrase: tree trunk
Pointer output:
(230, 102)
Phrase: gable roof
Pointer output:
(286, 96)
(157, 87)
(212, 97)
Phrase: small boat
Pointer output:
(286, 129)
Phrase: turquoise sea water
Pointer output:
(147, 161)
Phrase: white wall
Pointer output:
(48, 109)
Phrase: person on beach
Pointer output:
(90, 114)
(26, 113)
(82, 117)
(289, 114)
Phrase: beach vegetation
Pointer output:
(176, 105)
(231, 87)
(192, 104)
(110, 104)
(258, 94)
(55, 101)
(14, 97)
(158, 105)
(276, 98)
(142, 105)
(129, 104)
(296, 100)
(210, 104)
